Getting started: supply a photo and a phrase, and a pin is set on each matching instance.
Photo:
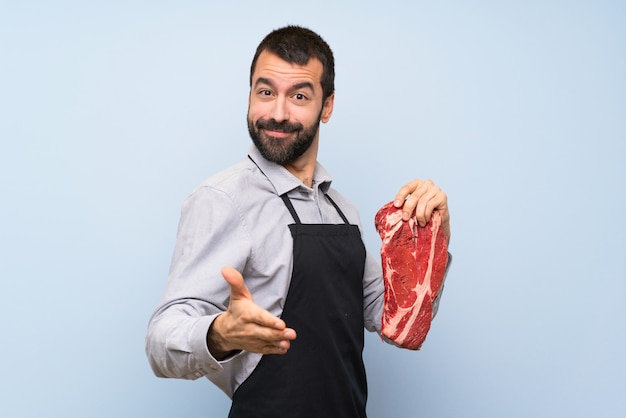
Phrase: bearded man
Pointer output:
(271, 288)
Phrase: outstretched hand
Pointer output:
(245, 325)
(422, 198)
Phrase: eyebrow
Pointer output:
(297, 86)
(263, 80)
(303, 85)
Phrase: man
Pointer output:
(270, 286)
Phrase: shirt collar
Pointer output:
(282, 180)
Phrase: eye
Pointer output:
(299, 96)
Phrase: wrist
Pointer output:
(216, 343)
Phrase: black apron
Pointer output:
(322, 374)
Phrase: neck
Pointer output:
(304, 166)
(303, 172)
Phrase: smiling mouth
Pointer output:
(278, 134)
(278, 129)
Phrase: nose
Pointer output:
(280, 110)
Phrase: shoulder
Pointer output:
(228, 179)
(233, 182)
(346, 205)
(233, 194)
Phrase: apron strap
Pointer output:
(290, 207)
(293, 211)
(345, 220)
(295, 215)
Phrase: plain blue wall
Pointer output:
(112, 112)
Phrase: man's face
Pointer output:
(285, 107)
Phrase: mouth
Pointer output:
(278, 134)
(276, 129)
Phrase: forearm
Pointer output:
(209, 237)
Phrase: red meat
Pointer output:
(414, 261)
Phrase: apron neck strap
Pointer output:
(290, 207)
(295, 215)
(345, 220)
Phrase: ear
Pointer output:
(327, 109)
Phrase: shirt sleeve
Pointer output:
(373, 293)
(211, 234)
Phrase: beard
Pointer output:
(282, 150)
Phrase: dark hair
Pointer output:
(297, 45)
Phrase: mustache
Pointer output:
(274, 125)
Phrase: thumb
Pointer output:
(238, 288)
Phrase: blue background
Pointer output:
(112, 112)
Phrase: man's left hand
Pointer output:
(422, 198)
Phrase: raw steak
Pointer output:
(414, 263)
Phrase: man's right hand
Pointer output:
(245, 325)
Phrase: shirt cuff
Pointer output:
(205, 363)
